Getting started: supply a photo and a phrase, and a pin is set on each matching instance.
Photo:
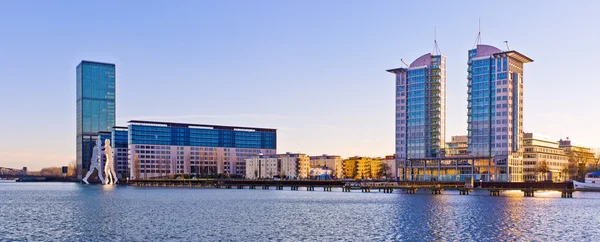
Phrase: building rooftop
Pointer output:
(97, 62)
(424, 60)
(323, 156)
(397, 70)
(204, 126)
(487, 50)
(459, 139)
(515, 54)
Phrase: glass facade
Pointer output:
(421, 108)
(196, 135)
(119, 138)
(159, 149)
(495, 109)
(95, 107)
(481, 104)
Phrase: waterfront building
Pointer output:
(163, 149)
(458, 146)
(581, 158)
(420, 110)
(390, 166)
(543, 159)
(495, 111)
(362, 168)
(333, 162)
(264, 166)
(95, 105)
(303, 162)
(284, 166)
(119, 136)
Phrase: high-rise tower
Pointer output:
(420, 109)
(95, 107)
(495, 109)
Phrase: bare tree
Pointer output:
(543, 169)
(385, 171)
(72, 168)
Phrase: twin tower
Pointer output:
(495, 118)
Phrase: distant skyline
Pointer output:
(313, 70)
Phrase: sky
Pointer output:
(314, 70)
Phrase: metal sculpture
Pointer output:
(109, 167)
(95, 162)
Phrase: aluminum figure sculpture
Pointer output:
(95, 162)
(109, 167)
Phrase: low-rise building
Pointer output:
(389, 167)
(362, 168)
(334, 163)
(457, 147)
(543, 159)
(284, 166)
(263, 166)
(581, 158)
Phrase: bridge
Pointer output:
(495, 188)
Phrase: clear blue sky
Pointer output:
(315, 70)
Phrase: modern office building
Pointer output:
(495, 110)
(581, 158)
(458, 146)
(120, 147)
(95, 108)
(162, 149)
(420, 110)
(332, 162)
(543, 159)
(578, 152)
(285, 166)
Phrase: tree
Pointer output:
(51, 171)
(570, 170)
(577, 163)
(385, 171)
(543, 169)
(72, 168)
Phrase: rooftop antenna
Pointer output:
(478, 39)
(436, 48)
(404, 63)
(507, 48)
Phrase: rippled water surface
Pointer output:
(74, 212)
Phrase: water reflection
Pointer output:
(74, 212)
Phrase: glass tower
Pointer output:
(420, 110)
(95, 107)
(495, 109)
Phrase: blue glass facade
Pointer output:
(481, 103)
(119, 137)
(420, 111)
(495, 110)
(95, 107)
(416, 113)
(155, 133)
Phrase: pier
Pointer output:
(495, 189)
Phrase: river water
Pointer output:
(75, 212)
